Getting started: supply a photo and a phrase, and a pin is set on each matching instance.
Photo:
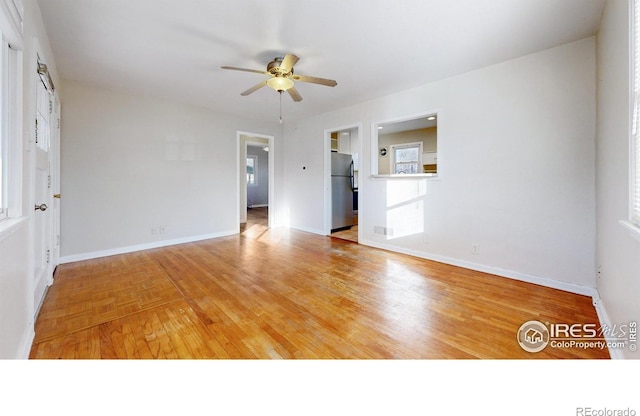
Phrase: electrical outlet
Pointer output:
(154, 230)
(475, 248)
(161, 229)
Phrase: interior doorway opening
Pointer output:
(342, 163)
(255, 182)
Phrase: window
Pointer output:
(10, 92)
(252, 170)
(4, 153)
(4, 134)
(634, 215)
(9, 136)
(406, 158)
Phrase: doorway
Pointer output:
(255, 182)
(342, 166)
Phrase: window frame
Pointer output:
(634, 141)
(11, 84)
(253, 183)
(394, 163)
(4, 130)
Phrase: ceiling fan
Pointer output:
(281, 78)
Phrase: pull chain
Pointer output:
(280, 106)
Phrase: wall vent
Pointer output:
(383, 230)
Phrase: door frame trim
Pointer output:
(327, 172)
(241, 174)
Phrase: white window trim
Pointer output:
(11, 17)
(5, 130)
(634, 214)
(633, 222)
(12, 128)
(11, 12)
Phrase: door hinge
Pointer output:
(58, 240)
(48, 256)
(49, 181)
(58, 123)
(36, 131)
(50, 107)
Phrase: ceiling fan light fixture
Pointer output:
(280, 72)
(280, 83)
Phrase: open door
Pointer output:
(45, 123)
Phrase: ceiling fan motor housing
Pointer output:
(274, 68)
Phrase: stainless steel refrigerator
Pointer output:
(342, 187)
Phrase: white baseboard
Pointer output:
(130, 249)
(616, 354)
(27, 343)
(309, 230)
(542, 281)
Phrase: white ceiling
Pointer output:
(174, 48)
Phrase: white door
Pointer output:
(43, 227)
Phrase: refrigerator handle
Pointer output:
(351, 178)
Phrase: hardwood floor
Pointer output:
(275, 293)
(256, 217)
(350, 234)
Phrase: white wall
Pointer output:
(131, 163)
(516, 170)
(16, 294)
(16, 248)
(618, 253)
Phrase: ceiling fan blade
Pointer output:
(245, 70)
(288, 62)
(254, 88)
(315, 80)
(294, 94)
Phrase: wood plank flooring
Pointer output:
(350, 234)
(275, 293)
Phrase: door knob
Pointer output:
(41, 207)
